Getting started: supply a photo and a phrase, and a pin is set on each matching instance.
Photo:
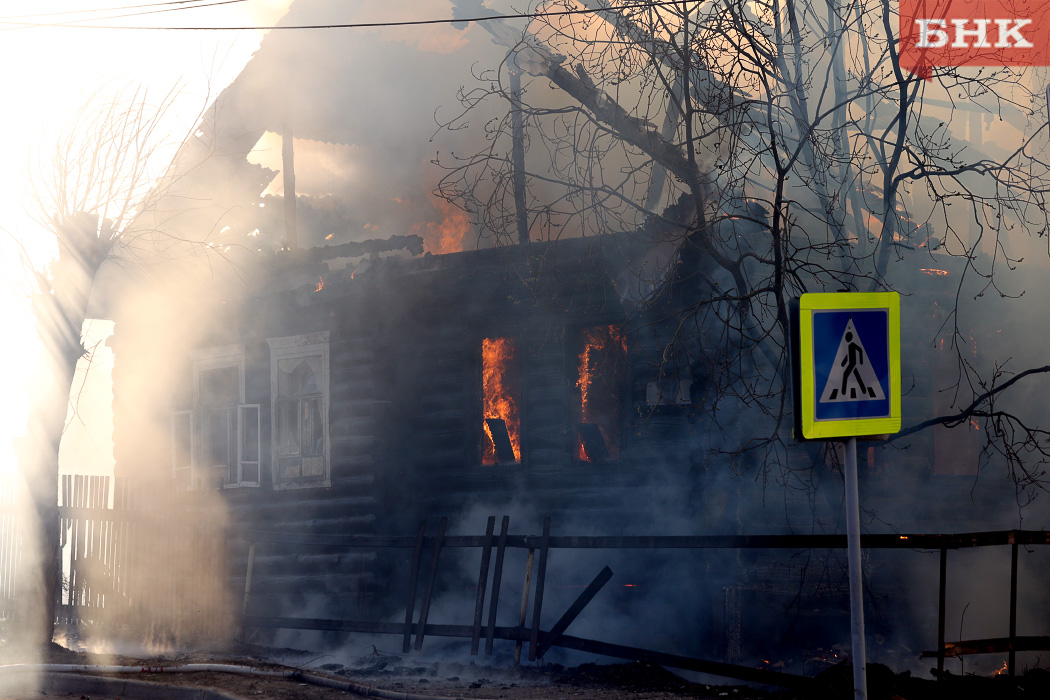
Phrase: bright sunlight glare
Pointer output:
(49, 73)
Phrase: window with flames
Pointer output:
(501, 401)
(601, 373)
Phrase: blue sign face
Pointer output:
(851, 364)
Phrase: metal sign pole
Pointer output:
(849, 383)
(856, 586)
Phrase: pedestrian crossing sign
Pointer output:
(849, 364)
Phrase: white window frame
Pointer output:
(241, 461)
(183, 472)
(206, 360)
(288, 348)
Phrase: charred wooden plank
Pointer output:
(688, 663)
(497, 579)
(619, 651)
(541, 576)
(593, 442)
(413, 579)
(483, 579)
(575, 609)
(500, 437)
(424, 611)
(525, 588)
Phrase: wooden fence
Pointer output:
(539, 640)
(10, 548)
(135, 557)
(140, 558)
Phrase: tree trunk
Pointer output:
(41, 573)
(60, 307)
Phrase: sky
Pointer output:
(49, 72)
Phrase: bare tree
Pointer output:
(104, 170)
(782, 149)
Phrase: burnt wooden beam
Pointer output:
(574, 610)
(992, 645)
(413, 579)
(497, 579)
(593, 442)
(619, 651)
(483, 579)
(541, 578)
(424, 611)
(716, 668)
(525, 587)
(723, 102)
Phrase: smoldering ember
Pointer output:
(478, 349)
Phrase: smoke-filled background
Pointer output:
(377, 124)
(67, 75)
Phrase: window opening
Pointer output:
(209, 441)
(249, 446)
(220, 393)
(300, 434)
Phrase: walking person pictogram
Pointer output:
(852, 376)
(853, 359)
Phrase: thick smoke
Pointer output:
(365, 130)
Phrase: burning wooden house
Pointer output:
(398, 389)
(570, 378)
(374, 397)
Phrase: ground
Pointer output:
(411, 679)
(428, 678)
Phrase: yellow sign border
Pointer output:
(813, 429)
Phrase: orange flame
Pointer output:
(933, 271)
(320, 284)
(500, 393)
(447, 236)
(1003, 669)
(598, 342)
